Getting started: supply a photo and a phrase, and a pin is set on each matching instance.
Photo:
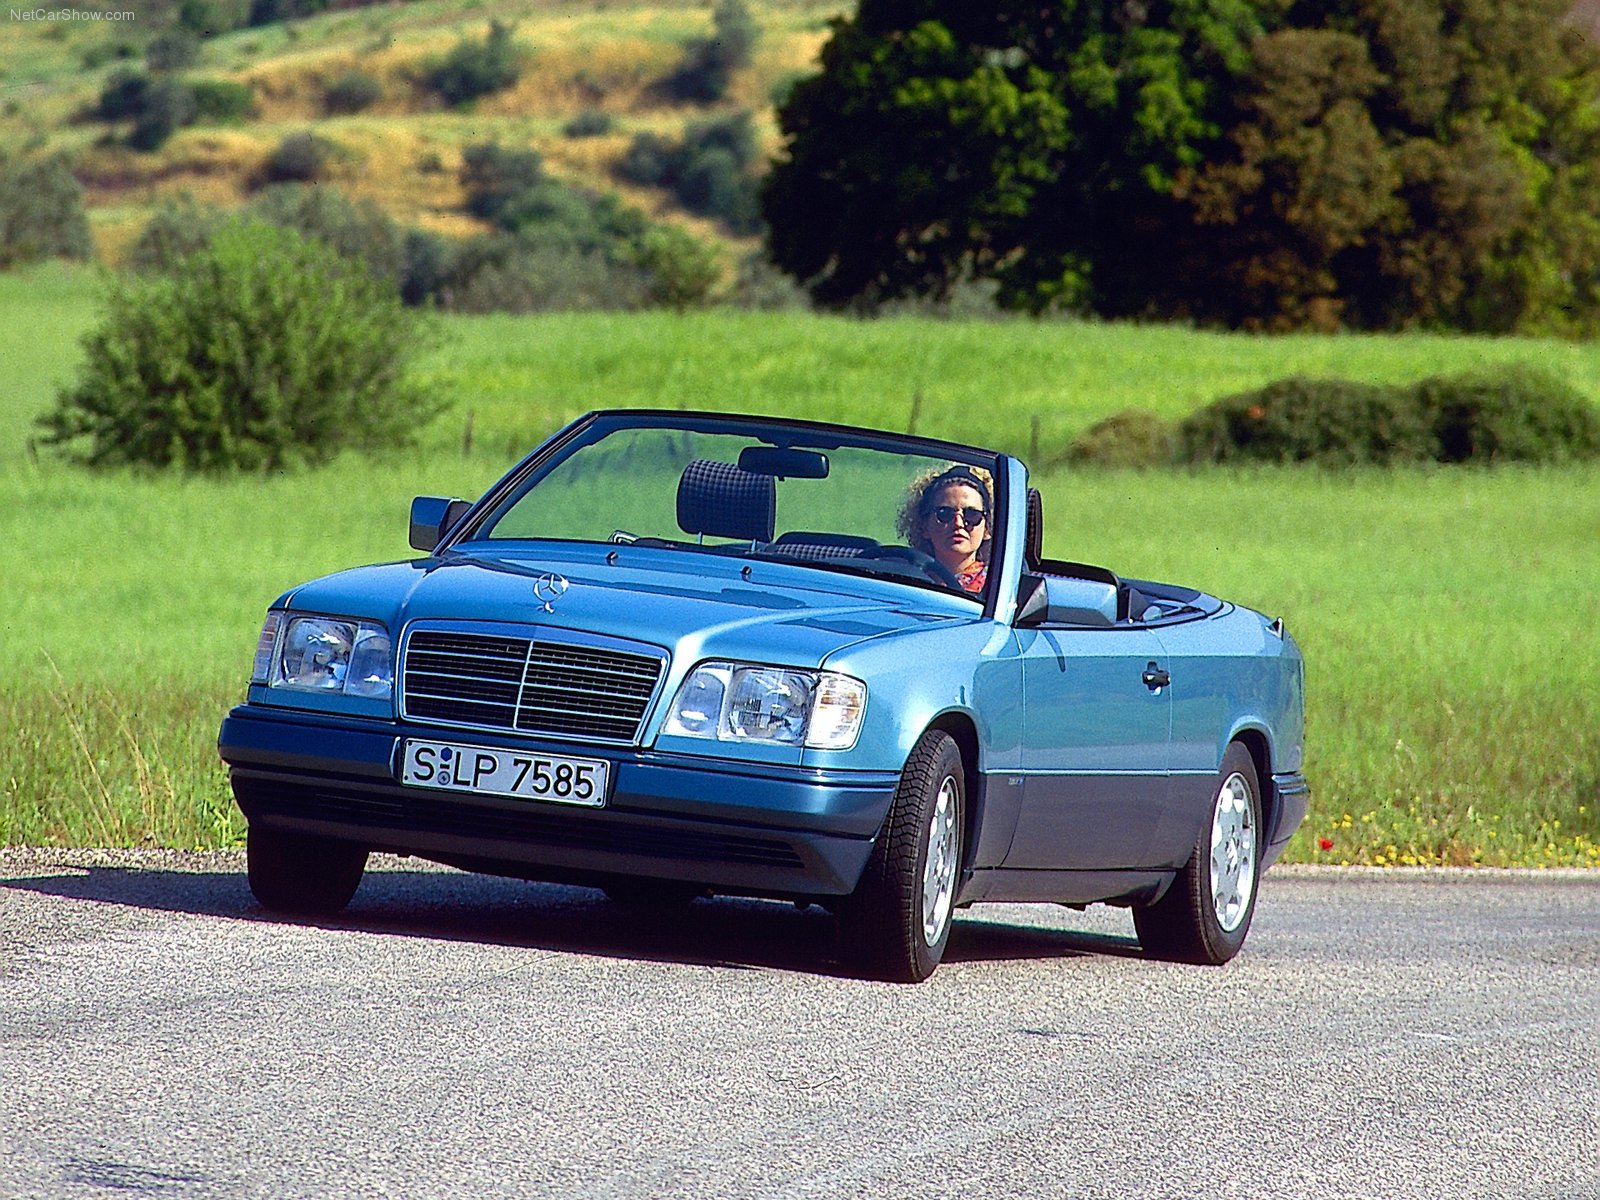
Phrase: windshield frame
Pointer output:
(595, 426)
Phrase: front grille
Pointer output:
(555, 689)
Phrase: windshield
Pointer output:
(823, 498)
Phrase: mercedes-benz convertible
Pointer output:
(673, 655)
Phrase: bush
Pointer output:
(503, 273)
(352, 92)
(476, 69)
(167, 106)
(177, 229)
(357, 229)
(709, 63)
(493, 177)
(299, 158)
(1509, 414)
(1515, 414)
(221, 100)
(41, 212)
(122, 96)
(591, 122)
(709, 171)
(759, 285)
(262, 350)
(172, 51)
(1134, 437)
(681, 270)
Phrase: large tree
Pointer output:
(1260, 162)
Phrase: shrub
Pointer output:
(709, 171)
(591, 122)
(299, 158)
(503, 273)
(425, 258)
(357, 229)
(1508, 414)
(122, 96)
(352, 92)
(177, 229)
(260, 351)
(476, 69)
(167, 106)
(760, 286)
(172, 51)
(681, 270)
(1134, 437)
(709, 63)
(210, 18)
(221, 99)
(494, 177)
(41, 212)
(1515, 414)
(648, 159)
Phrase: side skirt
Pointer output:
(1066, 887)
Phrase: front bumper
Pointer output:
(754, 828)
(1292, 797)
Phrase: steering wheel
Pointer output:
(926, 563)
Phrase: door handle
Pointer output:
(1155, 678)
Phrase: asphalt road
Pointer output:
(1433, 1034)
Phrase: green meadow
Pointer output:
(1448, 616)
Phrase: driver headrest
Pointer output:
(718, 499)
(1033, 551)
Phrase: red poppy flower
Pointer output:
(1325, 843)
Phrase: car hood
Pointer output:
(696, 606)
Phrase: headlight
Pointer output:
(733, 702)
(325, 654)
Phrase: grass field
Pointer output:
(1448, 616)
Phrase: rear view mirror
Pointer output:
(785, 462)
(432, 517)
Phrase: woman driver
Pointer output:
(947, 515)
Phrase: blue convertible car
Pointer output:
(676, 654)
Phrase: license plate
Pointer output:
(493, 771)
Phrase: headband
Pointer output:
(956, 474)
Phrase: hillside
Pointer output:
(403, 149)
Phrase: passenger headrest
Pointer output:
(718, 499)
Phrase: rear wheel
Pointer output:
(1206, 912)
(896, 924)
(302, 875)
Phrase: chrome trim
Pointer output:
(518, 676)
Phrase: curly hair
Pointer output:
(918, 501)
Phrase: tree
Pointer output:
(1408, 162)
(1376, 163)
(260, 350)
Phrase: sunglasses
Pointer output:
(972, 517)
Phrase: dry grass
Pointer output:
(403, 151)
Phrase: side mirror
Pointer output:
(432, 517)
(1054, 600)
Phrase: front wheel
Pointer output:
(896, 924)
(302, 875)
(1206, 912)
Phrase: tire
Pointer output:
(896, 924)
(1206, 913)
(301, 875)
